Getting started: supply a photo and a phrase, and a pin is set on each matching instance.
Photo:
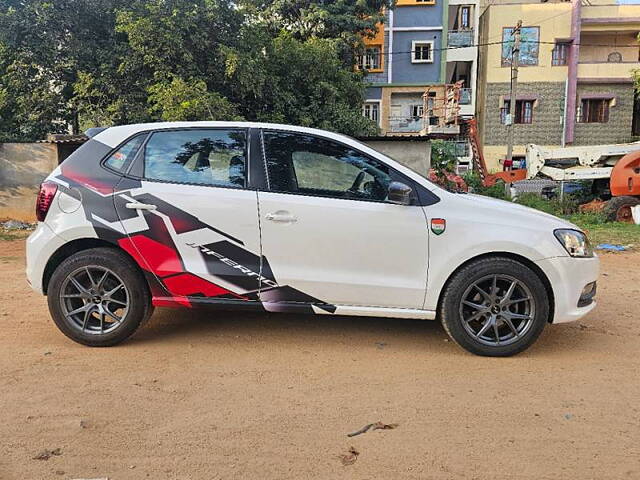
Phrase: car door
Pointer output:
(190, 219)
(328, 233)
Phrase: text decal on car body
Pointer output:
(247, 271)
(438, 225)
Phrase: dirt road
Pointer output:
(199, 395)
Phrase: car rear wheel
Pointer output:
(98, 297)
(494, 307)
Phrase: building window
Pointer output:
(560, 54)
(421, 52)
(371, 110)
(371, 59)
(524, 111)
(465, 17)
(529, 39)
(593, 111)
(417, 111)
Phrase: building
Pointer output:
(575, 77)
(409, 65)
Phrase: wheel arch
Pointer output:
(73, 247)
(512, 256)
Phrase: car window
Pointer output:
(125, 153)
(201, 156)
(298, 163)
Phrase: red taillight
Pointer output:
(45, 197)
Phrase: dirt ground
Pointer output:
(202, 395)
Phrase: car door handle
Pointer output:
(281, 216)
(140, 206)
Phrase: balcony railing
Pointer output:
(465, 96)
(460, 38)
(405, 124)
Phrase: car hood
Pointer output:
(510, 213)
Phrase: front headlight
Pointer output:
(574, 242)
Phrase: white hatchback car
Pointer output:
(289, 219)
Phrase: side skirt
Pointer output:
(296, 307)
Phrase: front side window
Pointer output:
(304, 164)
(524, 112)
(422, 52)
(200, 156)
(124, 155)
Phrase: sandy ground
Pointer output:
(201, 395)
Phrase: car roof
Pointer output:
(114, 136)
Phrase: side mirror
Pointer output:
(399, 193)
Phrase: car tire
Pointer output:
(99, 297)
(484, 317)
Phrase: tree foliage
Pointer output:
(81, 63)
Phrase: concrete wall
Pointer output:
(23, 166)
(618, 128)
(407, 72)
(415, 154)
(547, 114)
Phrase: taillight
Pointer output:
(45, 197)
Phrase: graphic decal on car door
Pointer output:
(165, 241)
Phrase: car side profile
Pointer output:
(281, 218)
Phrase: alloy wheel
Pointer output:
(497, 310)
(94, 300)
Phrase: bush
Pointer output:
(474, 182)
(567, 206)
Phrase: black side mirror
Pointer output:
(399, 193)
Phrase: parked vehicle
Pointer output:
(280, 218)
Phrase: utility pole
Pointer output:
(515, 62)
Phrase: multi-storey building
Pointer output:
(423, 45)
(575, 76)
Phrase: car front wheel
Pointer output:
(494, 307)
(98, 297)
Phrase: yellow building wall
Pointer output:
(554, 21)
(608, 9)
(593, 49)
(377, 41)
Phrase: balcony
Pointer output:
(460, 38)
(606, 70)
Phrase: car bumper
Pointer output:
(569, 276)
(41, 245)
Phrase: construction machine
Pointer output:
(614, 170)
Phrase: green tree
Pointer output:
(299, 82)
(83, 63)
(178, 99)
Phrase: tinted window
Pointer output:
(125, 153)
(201, 156)
(299, 163)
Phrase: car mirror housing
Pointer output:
(399, 193)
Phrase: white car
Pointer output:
(289, 219)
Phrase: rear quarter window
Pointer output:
(123, 156)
